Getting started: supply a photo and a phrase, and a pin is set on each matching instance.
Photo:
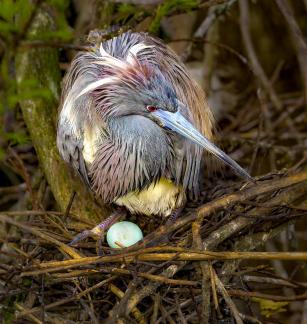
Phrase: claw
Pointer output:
(174, 215)
(98, 230)
(80, 237)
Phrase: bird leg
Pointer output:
(166, 237)
(99, 229)
(174, 215)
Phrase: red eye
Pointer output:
(151, 108)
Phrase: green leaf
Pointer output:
(8, 10)
(6, 27)
(24, 9)
(60, 5)
(167, 7)
(27, 282)
(127, 9)
(43, 93)
(17, 138)
(269, 307)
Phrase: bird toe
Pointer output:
(80, 237)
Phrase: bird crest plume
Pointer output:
(115, 68)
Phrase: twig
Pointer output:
(13, 189)
(249, 319)
(257, 68)
(204, 3)
(215, 12)
(149, 289)
(157, 278)
(135, 311)
(227, 298)
(69, 299)
(304, 315)
(213, 286)
(68, 208)
(157, 300)
(52, 266)
(167, 318)
(184, 304)
(273, 281)
(45, 43)
(28, 24)
(31, 316)
(250, 294)
(89, 310)
(113, 270)
(67, 249)
(210, 3)
(179, 311)
(20, 168)
(298, 40)
(225, 231)
(205, 272)
(247, 243)
(246, 194)
(43, 213)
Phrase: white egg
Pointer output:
(124, 233)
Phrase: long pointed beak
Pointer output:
(176, 122)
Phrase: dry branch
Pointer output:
(135, 312)
(178, 256)
(251, 53)
(298, 40)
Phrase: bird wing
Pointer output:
(76, 116)
(70, 146)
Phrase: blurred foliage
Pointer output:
(127, 11)
(9, 10)
(269, 308)
(170, 6)
(15, 20)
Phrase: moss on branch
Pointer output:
(41, 67)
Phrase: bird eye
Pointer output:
(151, 108)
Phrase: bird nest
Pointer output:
(197, 268)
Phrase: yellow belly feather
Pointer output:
(159, 198)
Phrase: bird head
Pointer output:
(140, 88)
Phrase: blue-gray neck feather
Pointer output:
(137, 153)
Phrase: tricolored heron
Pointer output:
(134, 124)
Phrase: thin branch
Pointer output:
(227, 298)
(257, 68)
(68, 299)
(251, 294)
(28, 24)
(135, 311)
(52, 266)
(298, 40)
(65, 248)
